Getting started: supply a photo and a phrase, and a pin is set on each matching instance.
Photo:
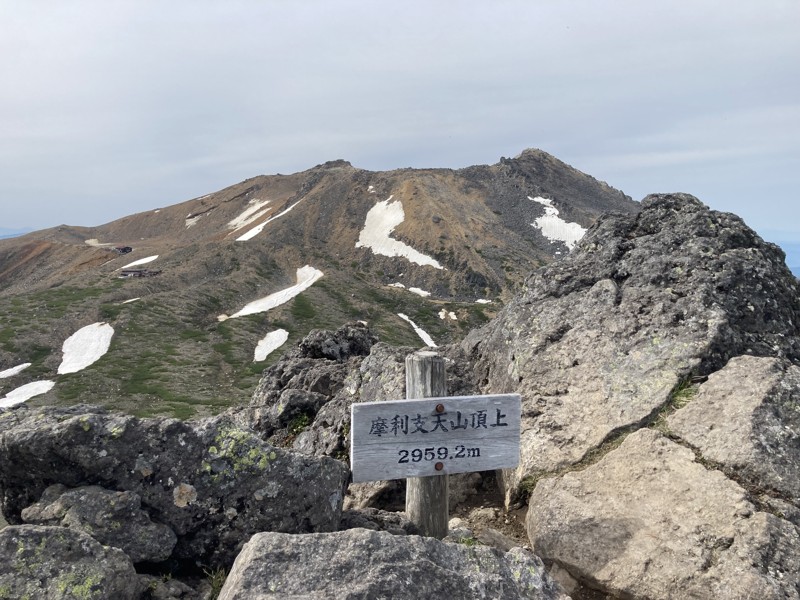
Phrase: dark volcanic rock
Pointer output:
(378, 377)
(55, 563)
(362, 564)
(597, 342)
(304, 399)
(305, 379)
(578, 197)
(112, 518)
(354, 339)
(211, 482)
(378, 520)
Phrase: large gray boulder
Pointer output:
(363, 564)
(746, 420)
(596, 343)
(650, 521)
(213, 483)
(55, 563)
(112, 518)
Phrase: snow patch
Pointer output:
(259, 228)
(306, 277)
(192, 220)
(378, 227)
(131, 300)
(444, 315)
(14, 370)
(423, 335)
(141, 261)
(554, 228)
(253, 212)
(271, 342)
(158, 210)
(371, 189)
(413, 290)
(482, 301)
(26, 392)
(85, 347)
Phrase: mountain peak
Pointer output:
(422, 255)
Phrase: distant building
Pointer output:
(126, 273)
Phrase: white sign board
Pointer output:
(434, 436)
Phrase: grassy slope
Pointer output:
(171, 356)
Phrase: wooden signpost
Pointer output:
(430, 436)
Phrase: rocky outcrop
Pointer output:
(304, 400)
(56, 563)
(366, 564)
(212, 483)
(354, 339)
(650, 521)
(597, 343)
(112, 518)
(307, 378)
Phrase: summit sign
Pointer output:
(434, 436)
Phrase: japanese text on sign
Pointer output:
(412, 438)
(399, 424)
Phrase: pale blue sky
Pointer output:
(109, 108)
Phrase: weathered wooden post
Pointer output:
(427, 498)
(428, 436)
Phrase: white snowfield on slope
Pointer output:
(269, 343)
(14, 370)
(254, 211)
(306, 277)
(141, 261)
(378, 227)
(80, 350)
(554, 228)
(259, 228)
(423, 335)
(26, 392)
(85, 347)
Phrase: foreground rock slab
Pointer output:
(746, 419)
(112, 518)
(211, 482)
(55, 563)
(362, 564)
(648, 521)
